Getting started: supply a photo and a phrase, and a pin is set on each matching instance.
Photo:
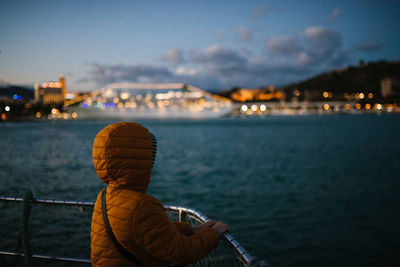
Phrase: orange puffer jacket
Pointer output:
(122, 156)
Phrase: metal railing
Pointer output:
(59, 231)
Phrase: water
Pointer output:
(298, 191)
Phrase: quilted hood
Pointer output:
(123, 155)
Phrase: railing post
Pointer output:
(181, 216)
(24, 230)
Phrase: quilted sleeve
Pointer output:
(153, 232)
(184, 228)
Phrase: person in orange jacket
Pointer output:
(123, 156)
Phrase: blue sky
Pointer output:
(210, 44)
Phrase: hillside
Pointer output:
(362, 78)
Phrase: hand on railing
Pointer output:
(209, 223)
(221, 228)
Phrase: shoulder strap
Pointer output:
(120, 248)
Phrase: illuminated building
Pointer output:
(244, 95)
(51, 93)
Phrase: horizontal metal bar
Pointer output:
(9, 253)
(50, 201)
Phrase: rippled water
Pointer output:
(301, 191)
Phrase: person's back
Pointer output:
(123, 155)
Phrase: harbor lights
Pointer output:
(244, 108)
(263, 107)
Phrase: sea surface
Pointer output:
(295, 190)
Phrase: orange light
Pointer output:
(326, 107)
(347, 106)
(325, 94)
(3, 116)
(367, 106)
(358, 106)
(370, 95)
(38, 114)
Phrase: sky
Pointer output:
(213, 45)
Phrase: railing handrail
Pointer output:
(239, 250)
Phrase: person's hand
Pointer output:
(210, 223)
(221, 228)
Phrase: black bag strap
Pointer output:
(120, 248)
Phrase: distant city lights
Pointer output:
(263, 107)
(244, 108)
(7, 108)
(124, 95)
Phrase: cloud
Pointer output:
(218, 55)
(334, 15)
(283, 45)
(370, 45)
(104, 74)
(243, 34)
(286, 59)
(173, 56)
(315, 49)
(320, 44)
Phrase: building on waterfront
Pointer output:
(386, 87)
(248, 94)
(51, 93)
